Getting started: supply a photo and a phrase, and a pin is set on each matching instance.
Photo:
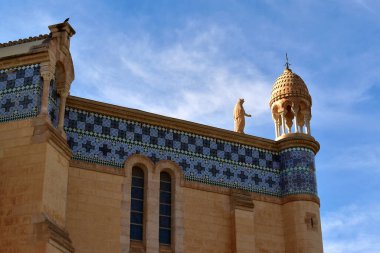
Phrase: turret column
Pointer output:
(47, 75)
(307, 123)
(61, 117)
(276, 120)
(300, 203)
(283, 122)
(295, 112)
(277, 127)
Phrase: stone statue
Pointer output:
(239, 116)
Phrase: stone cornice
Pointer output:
(24, 59)
(45, 132)
(300, 197)
(296, 140)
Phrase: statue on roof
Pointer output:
(239, 116)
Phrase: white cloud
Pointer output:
(352, 229)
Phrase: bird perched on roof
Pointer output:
(66, 20)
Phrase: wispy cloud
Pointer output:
(352, 229)
(190, 78)
(365, 158)
(366, 5)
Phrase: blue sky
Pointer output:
(193, 59)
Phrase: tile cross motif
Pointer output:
(8, 105)
(88, 146)
(257, 179)
(270, 182)
(105, 150)
(242, 176)
(228, 173)
(25, 102)
(213, 170)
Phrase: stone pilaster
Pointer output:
(242, 215)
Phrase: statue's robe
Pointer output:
(239, 117)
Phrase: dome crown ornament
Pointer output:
(290, 104)
(287, 85)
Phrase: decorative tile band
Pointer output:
(298, 180)
(141, 134)
(110, 141)
(20, 90)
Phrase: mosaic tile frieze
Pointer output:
(20, 90)
(297, 158)
(297, 171)
(116, 129)
(298, 180)
(110, 141)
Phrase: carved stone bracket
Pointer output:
(48, 230)
(243, 236)
(241, 200)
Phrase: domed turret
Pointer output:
(290, 104)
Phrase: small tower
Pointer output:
(290, 104)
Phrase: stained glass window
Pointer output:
(137, 204)
(165, 208)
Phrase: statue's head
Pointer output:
(241, 100)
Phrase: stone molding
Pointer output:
(97, 167)
(296, 140)
(45, 132)
(30, 58)
(301, 197)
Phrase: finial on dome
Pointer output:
(287, 64)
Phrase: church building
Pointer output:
(83, 176)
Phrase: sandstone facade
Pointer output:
(66, 163)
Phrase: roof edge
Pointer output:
(25, 40)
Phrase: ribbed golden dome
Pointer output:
(288, 85)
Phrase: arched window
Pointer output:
(165, 208)
(137, 204)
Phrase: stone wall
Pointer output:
(207, 222)
(93, 210)
(94, 220)
(33, 187)
(21, 180)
